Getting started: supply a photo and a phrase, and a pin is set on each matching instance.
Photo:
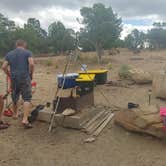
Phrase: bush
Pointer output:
(1, 61)
(109, 66)
(124, 71)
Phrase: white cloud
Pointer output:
(127, 29)
(68, 17)
(67, 11)
(18, 21)
(48, 16)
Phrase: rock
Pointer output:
(157, 130)
(146, 110)
(89, 140)
(151, 119)
(68, 112)
(147, 120)
(140, 76)
(159, 85)
(74, 121)
(126, 119)
(140, 121)
(137, 75)
(149, 109)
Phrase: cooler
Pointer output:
(100, 75)
(69, 80)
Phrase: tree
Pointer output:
(62, 39)
(84, 41)
(7, 28)
(135, 40)
(157, 35)
(102, 26)
(159, 25)
(35, 36)
(6, 24)
(34, 24)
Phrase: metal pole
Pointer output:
(59, 90)
(149, 94)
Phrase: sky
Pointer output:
(138, 14)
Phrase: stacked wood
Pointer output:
(97, 123)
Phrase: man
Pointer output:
(21, 66)
(2, 124)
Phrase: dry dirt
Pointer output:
(65, 147)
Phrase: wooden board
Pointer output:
(103, 125)
(93, 120)
(97, 123)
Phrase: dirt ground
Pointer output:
(66, 147)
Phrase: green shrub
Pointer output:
(1, 61)
(124, 71)
(109, 66)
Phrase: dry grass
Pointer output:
(90, 58)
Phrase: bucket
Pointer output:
(69, 80)
(163, 117)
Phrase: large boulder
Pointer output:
(140, 76)
(137, 75)
(159, 85)
(142, 121)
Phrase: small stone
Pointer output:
(89, 140)
(68, 112)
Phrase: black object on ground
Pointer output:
(64, 103)
(3, 126)
(34, 113)
(132, 105)
(84, 88)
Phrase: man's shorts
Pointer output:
(21, 86)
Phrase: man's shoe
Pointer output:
(27, 125)
(3, 126)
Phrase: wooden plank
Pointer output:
(97, 123)
(100, 128)
(93, 120)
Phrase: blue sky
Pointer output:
(138, 22)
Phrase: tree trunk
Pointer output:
(77, 54)
(99, 51)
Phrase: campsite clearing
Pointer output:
(66, 147)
